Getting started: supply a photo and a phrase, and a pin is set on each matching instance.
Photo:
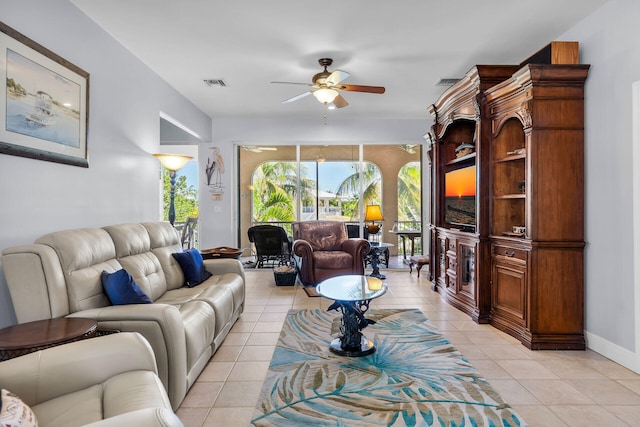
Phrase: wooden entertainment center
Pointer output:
(507, 220)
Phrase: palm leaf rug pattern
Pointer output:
(415, 378)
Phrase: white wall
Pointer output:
(221, 228)
(609, 42)
(126, 97)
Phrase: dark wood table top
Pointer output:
(407, 233)
(46, 333)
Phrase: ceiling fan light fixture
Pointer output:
(325, 95)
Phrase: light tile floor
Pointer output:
(547, 388)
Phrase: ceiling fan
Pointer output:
(326, 86)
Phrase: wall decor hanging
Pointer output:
(44, 102)
(214, 170)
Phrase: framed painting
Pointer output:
(44, 102)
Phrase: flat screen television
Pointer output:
(460, 198)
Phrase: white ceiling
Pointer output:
(404, 45)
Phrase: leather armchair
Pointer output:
(323, 250)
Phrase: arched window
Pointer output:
(410, 200)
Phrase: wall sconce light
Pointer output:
(373, 213)
(173, 163)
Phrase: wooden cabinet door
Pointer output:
(509, 292)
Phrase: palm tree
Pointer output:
(275, 191)
(409, 199)
(372, 185)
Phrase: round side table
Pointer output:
(25, 338)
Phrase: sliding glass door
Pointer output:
(282, 184)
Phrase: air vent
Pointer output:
(216, 83)
(446, 82)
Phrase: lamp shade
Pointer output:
(172, 162)
(373, 213)
(325, 95)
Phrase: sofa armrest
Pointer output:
(35, 281)
(162, 326)
(358, 248)
(303, 255)
(46, 374)
(151, 417)
(218, 266)
(302, 248)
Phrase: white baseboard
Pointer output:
(618, 354)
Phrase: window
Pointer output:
(327, 190)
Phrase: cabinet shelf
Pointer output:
(511, 158)
(510, 196)
(461, 159)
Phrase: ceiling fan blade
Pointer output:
(295, 98)
(255, 149)
(336, 77)
(360, 88)
(293, 83)
(340, 102)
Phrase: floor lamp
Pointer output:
(173, 163)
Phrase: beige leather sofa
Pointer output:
(105, 381)
(59, 275)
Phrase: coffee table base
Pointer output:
(366, 348)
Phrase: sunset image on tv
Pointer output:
(460, 196)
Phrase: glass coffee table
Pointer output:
(352, 295)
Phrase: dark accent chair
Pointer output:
(271, 243)
(353, 231)
(187, 238)
(323, 250)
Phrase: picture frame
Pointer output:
(44, 102)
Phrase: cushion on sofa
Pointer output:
(165, 241)
(122, 289)
(14, 412)
(192, 266)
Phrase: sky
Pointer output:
(332, 174)
(33, 77)
(190, 170)
(461, 182)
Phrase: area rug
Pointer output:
(415, 378)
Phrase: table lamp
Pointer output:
(373, 213)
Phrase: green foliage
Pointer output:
(409, 200)
(185, 200)
(350, 208)
(16, 88)
(372, 186)
(275, 192)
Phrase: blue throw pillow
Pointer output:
(122, 289)
(192, 267)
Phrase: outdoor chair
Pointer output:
(271, 245)
(187, 237)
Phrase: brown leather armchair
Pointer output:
(323, 250)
